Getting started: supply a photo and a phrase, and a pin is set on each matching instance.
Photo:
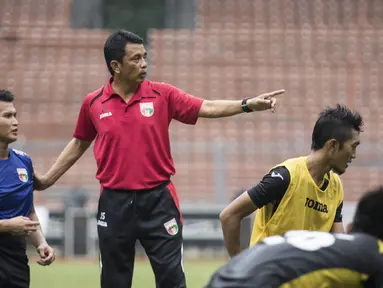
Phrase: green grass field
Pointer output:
(83, 274)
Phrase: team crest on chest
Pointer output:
(23, 174)
(147, 109)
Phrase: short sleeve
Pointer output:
(272, 187)
(85, 129)
(25, 158)
(30, 164)
(339, 213)
(182, 106)
(341, 192)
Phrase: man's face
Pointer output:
(344, 154)
(8, 123)
(134, 66)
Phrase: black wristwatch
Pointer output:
(244, 106)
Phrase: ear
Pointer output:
(332, 145)
(115, 66)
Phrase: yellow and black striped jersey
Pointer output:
(305, 259)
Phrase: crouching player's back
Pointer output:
(314, 259)
(18, 219)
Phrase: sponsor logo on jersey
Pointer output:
(274, 175)
(106, 114)
(320, 207)
(19, 152)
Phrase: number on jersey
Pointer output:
(307, 240)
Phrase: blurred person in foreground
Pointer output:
(18, 219)
(303, 193)
(312, 258)
(129, 120)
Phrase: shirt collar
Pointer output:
(144, 90)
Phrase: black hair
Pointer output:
(369, 213)
(6, 96)
(114, 48)
(335, 123)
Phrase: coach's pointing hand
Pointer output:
(264, 101)
(21, 226)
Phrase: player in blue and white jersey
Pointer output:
(18, 220)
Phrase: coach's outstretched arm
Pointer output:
(225, 108)
(71, 153)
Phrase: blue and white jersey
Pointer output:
(16, 185)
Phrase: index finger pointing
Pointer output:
(274, 93)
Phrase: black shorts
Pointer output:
(14, 268)
(151, 217)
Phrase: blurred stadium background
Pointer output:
(322, 52)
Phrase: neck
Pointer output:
(124, 89)
(4, 153)
(317, 166)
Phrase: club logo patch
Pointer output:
(147, 109)
(23, 174)
(171, 227)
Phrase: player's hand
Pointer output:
(21, 226)
(264, 101)
(47, 254)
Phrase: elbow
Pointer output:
(222, 217)
(80, 145)
(226, 217)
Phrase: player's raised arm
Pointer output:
(270, 190)
(225, 108)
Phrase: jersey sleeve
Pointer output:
(26, 159)
(339, 210)
(272, 187)
(30, 165)
(339, 213)
(183, 107)
(340, 188)
(85, 129)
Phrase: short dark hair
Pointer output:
(369, 214)
(6, 96)
(114, 48)
(335, 123)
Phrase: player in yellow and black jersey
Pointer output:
(314, 259)
(302, 193)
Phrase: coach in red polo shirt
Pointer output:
(129, 119)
